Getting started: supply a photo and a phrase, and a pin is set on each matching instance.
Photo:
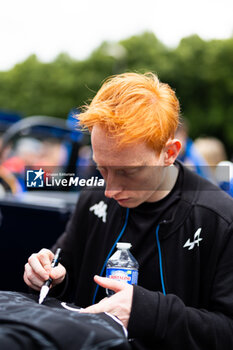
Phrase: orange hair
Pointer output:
(134, 107)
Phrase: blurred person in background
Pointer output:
(189, 155)
(53, 155)
(26, 152)
(8, 182)
(214, 153)
(212, 150)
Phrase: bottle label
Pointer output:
(129, 276)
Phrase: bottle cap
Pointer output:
(124, 245)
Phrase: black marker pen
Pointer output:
(45, 288)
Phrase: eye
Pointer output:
(131, 171)
(127, 172)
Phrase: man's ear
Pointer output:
(172, 150)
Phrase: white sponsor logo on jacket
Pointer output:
(196, 240)
(100, 210)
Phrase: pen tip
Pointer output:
(43, 293)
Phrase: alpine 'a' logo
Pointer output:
(100, 210)
(196, 240)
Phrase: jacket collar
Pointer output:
(189, 195)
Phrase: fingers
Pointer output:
(38, 270)
(45, 258)
(119, 304)
(105, 282)
(101, 306)
(106, 303)
(31, 278)
(38, 263)
(58, 274)
(93, 309)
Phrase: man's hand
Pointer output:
(118, 304)
(38, 270)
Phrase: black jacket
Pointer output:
(196, 244)
(27, 325)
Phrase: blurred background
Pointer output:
(54, 56)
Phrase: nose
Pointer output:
(113, 187)
(110, 193)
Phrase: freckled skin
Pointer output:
(150, 169)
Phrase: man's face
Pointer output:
(133, 174)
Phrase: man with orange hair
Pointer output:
(180, 227)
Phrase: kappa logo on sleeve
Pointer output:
(100, 210)
(196, 240)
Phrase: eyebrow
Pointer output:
(122, 166)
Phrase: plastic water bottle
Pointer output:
(122, 266)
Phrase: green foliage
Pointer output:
(200, 72)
